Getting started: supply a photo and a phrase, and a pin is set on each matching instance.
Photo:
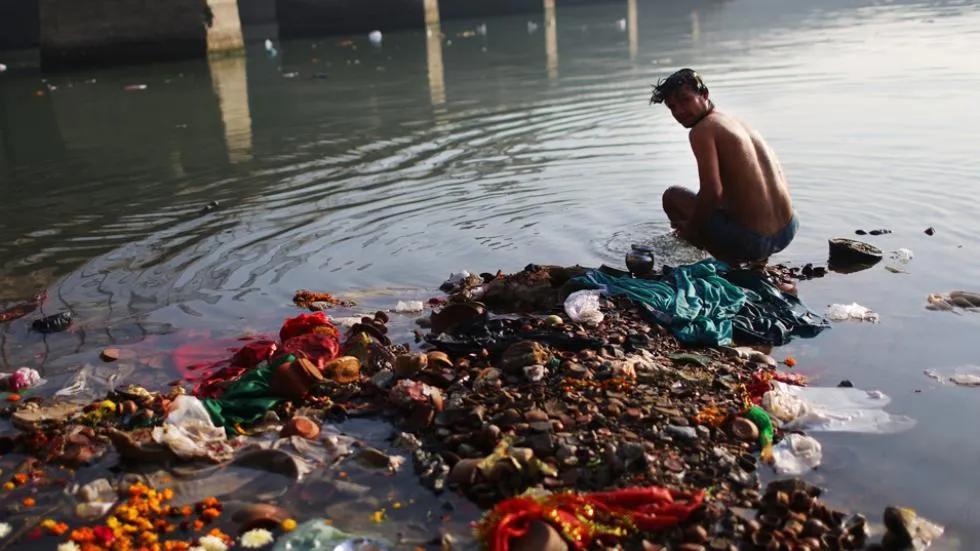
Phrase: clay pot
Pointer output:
(343, 370)
(294, 380)
(744, 430)
(301, 426)
(259, 515)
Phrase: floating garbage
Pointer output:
(797, 454)
(955, 299)
(853, 311)
(961, 376)
(2, 67)
(583, 306)
(270, 49)
(134, 87)
(375, 37)
(903, 255)
(407, 306)
(53, 324)
(320, 536)
(837, 409)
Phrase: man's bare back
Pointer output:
(754, 190)
(742, 211)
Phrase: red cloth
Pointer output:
(20, 310)
(319, 348)
(306, 323)
(615, 514)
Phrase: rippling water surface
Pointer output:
(348, 167)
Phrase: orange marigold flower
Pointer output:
(198, 525)
(89, 546)
(9, 486)
(20, 478)
(210, 514)
(288, 525)
(13, 398)
(790, 361)
(167, 494)
(187, 510)
(82, 535)
(28, 502)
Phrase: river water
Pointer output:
(376, 170)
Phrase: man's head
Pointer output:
(685, 94)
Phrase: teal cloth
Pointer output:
(245, 401)
(695, 301)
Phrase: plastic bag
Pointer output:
(189, 432)
(797, 454)
(841, 312)
(407, 306)
(318, 535)
(583, 307)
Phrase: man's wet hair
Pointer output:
(668, 86)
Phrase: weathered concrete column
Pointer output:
(100, 32)
(225, 32)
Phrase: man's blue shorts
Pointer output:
(743, 245)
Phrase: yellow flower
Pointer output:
(9, 486)
(48, 524)
(288, 525)
(378, 516)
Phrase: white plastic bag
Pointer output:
(189, 432)
(841, 312)
(583, 307)
(406, 306)
(797, 454)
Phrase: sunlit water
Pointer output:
(348, 167)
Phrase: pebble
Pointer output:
(687, 433)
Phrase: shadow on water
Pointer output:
(341, 165)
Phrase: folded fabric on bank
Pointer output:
(708, 304)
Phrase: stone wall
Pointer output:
(95, 32)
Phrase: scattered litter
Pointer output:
(132, 87)
(968, 375)
(962, 299)
(2, 67)
(903, 255)
(290, 75)
(270, 49)
(796, 454)
(22, 379)
(895, 270)
(841, 312)
(833, 410)
(375, 37)
(583, 306)
(406, 306)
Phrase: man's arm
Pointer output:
(710, 189)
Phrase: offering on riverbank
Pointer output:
(613, 410)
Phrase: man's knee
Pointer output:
(677, 199)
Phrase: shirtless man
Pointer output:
(742, 212)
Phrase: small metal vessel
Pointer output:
(639, 260)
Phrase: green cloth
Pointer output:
(244, 402)
(695, 302)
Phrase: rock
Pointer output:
(97, 490)
(464, 471)
(930, 231)
(906, 530)
(685, 433)
(259, 515)
(539, 537)
(301, 426)
(535, 415)
(522, 354)
(33, 416)
(845, 384)
(373, 458)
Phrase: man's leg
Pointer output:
(679, 205)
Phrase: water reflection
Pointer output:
(433, 56)
(230, 83)
(551, 39)
(632, 28)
